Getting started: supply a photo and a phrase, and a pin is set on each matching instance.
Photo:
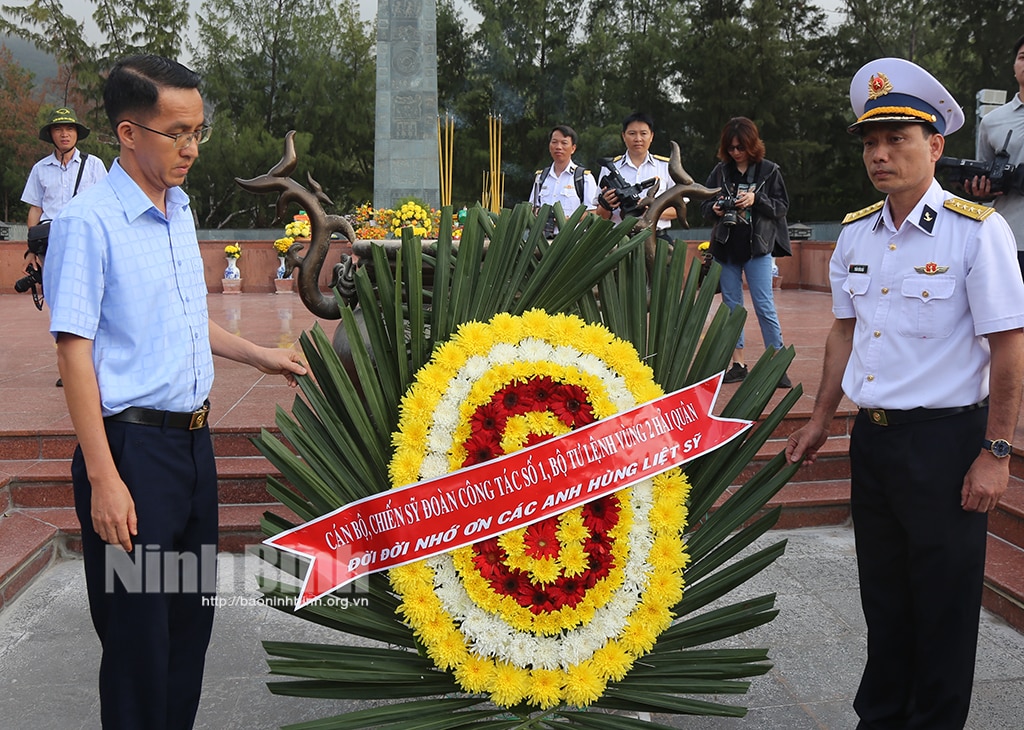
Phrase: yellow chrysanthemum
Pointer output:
(612, 661)
(545, 570)
(583, 684)
(545, 688)
(573, 559)
(637, 638)
(507, 328)
(664, 514)
(475, 674)
(449, 651)
(509, 684)
(419, 604)
(667, 585)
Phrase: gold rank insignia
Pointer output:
(969, 209)
(858, 214)
(879, 85)
(931, 268)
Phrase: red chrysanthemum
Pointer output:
(536, 598)
(541, 539)
(541, 391)
(490, 559)
(482, 446)
(602, 514)
(567, 592)
(489, 417)
(571, 407)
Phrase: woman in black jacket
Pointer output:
(749, 230)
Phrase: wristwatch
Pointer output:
(1000, 448)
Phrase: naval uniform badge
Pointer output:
(931, 268)
(927, 222)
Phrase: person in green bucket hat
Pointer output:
(56, 178)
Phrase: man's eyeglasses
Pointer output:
(736, 148)
(182, 139)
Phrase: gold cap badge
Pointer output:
(878, 85)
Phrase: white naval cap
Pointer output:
(896, 90)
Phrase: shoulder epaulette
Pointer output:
(971, 210)
(662, 158)
(858, 214)
(538, 172)
(617, 158)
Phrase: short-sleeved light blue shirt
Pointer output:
(51, 185)
(121, 273)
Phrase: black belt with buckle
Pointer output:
(163, 419)
(890, 417)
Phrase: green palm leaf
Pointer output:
(340, 439)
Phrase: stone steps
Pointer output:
(38, 522)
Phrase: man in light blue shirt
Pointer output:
(56, 178)
(135, 346)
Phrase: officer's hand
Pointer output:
(985, 483)
(803, 444)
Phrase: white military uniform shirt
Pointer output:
(652, 166)
(924, 296)
(556, 188)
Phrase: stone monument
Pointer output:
(405, 135)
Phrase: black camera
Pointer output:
(34, 275)
(33, 278)
(730, 211)
(628, 195)
(1002, 176)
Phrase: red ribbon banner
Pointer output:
(417, 521)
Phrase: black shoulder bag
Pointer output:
(39, 235)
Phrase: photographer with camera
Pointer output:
(1003, 130)
(749, 230)
(631, 174)
(563, 181)
(56, 178)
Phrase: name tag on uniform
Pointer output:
(858, 268)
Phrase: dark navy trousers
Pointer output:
(921, 560)
(153, 608)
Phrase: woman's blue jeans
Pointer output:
(759, 280)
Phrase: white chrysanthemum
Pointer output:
(475, 368)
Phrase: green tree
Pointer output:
(19, 145)
(522, 56)
(269, 68)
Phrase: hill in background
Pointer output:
(42, 65)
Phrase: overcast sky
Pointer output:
(82, 10)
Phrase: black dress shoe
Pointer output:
(784, 382)
(59, 383)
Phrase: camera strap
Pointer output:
(83, 156)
